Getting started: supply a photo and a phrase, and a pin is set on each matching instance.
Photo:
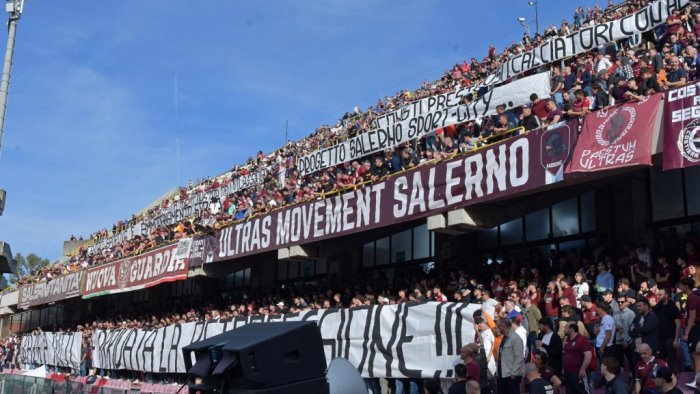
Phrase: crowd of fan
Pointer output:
(630, 307)
(628, 70)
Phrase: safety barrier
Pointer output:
(15, 383)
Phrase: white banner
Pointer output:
(423, 117)
(51, 348)
(407, 340)
(587, 38)
(181, 209)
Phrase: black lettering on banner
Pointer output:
(600, 34)
(559, 48)
(148, 348)
(174, 346)
(403, 339)
(392, 339)
(347, 332)
(458, 326)
(644, 13)
(197, 333)
(438, 331)
(448, 329)
(329, 342)
(365, 335)
(625, 32)
(584, 34)
(377, 346)
(127, 349)
(309, 314)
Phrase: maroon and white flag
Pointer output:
(682, 127)
(617, 137)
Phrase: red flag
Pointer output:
(616, 137)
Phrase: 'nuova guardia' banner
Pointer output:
(406, 340)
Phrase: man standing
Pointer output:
(538, 385)
(578, 354)
(510, 359)
(606, 332)
(532, 315)
(605, 279)
(624, 346)
(548, 340)
(669, 328)
(692, 307)
(472, 367)
(645, 326)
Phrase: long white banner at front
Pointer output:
(423, 117)
(51, 348)
(407, 340)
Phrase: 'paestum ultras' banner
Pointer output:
(617, 137)
(682, 127)
(406, 340)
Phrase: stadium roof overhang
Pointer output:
(8, 265)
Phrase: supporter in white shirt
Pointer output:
(521, 331)
(581, 287)
(487, 341)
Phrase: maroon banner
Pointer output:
(48, 291)
(166, 264)
(617, 137)
(682, 127)
(521, 163)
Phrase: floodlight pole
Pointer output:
(14, 8)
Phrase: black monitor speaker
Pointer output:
(283, 357)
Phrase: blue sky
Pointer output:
(103, 92)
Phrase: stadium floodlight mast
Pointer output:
(537, 17)
(524, 24)
(14, 8)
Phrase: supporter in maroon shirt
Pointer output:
(664, 274)
(566, 291)
(551, 300)
(578, 354)
(692, 306)
(539, 107)
(468, 354)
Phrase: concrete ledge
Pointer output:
(436, 222)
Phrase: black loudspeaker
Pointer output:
(284, 357)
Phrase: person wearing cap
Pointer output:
(608, 299)
(549, 342)
(665, 380)
(528, 120)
